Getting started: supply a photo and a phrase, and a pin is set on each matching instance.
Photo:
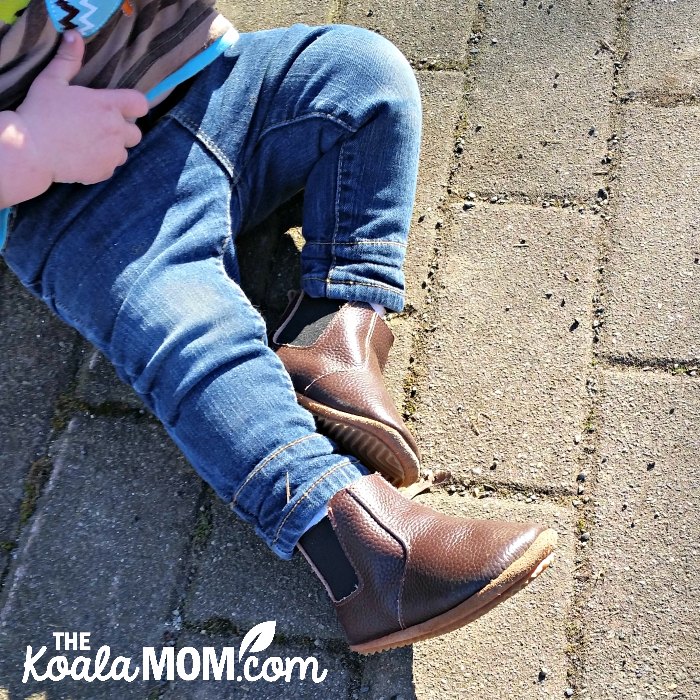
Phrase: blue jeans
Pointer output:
(144, 265)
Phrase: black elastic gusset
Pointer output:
(321, 546)
(309, 320)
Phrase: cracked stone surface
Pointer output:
(442, 93)
(99, 384)
(501, 360)
(106, 551)
(36, 351)
(438, 31)
(253, 16)
(229, 585)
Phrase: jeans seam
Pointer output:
(336, 225)
(267, 460)
(306, 493)
(360, 242)
(200, 136)
(353, 283)
(308, 115)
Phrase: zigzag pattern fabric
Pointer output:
(137, 49)
(85, 16)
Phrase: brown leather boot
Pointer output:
(339, 379)
(420, 573)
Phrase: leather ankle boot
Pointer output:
(339, 378)
(420, 573)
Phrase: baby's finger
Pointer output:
(131, 103)
(132, 135)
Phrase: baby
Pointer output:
(125, 225)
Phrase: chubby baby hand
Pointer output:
(78, 134)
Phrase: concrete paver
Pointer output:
(105, 552)
(253, 16)
(502, 653)
(441, 94)
(421, 29)
(504, 386)
(499, 306)
(97, 382)
(654, 269)
(643, 615)
(36, 351)
(241, 581)
(664, 56)
(537, 113)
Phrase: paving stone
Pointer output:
(441, 99)
(421, 29)
(253, 16)
(508, 358)
(336, 683)
(390, 675)
(536, 97)
(37, 365)
(98, 382)
(104, 553)
(654, 260)
(642, 615)
(241, 581)
(664, 55)
(500, 654)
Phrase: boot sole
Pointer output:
(377, 445)
(518, 575)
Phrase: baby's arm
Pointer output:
(63, 132)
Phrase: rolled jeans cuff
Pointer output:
(355, 290)
(302, 510)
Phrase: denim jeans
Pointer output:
(144, 264)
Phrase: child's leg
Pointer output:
(144, 266)
(336, 111)
(357, 158)
(138, 269)
(332, 110)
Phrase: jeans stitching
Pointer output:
(306, 493)
(352, 283)
(336, 225)
(308, 115)
(194, 128)
(267, 461)
(362, 242)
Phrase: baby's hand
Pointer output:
(78, 134)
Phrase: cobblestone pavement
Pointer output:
(548, 358)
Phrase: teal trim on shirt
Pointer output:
(4, 223)
(194, 65)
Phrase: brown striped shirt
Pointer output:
(135, 49)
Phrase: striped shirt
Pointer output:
(140, 45)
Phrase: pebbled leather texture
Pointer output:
(344, 368)
(412, 562)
